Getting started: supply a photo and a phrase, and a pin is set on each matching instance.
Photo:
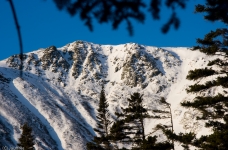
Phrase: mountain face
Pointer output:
(59, 91)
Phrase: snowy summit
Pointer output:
(59, 91)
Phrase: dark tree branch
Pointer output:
(19, 34)
(117, 11)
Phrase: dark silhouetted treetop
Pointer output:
(26, 140)
(215, 41)
(102, 128)
(103, 115)
(136, 113)
(215, 10)
(117, 11)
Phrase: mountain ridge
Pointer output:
(60, 87)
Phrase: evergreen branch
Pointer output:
(223, 81)
(202, 101)
(219, 103)
(199, 73)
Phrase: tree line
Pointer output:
(127, 132)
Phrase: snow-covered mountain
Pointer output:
(58, 93)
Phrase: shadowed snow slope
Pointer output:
(58, 93)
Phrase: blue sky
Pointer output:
(43, 25)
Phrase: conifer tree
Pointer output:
(129, 127)
(26, 140)
(136, 113)
(134, 116)
(215, 107)
(102, 141)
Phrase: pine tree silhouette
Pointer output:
(134, 116)
(26, 140)
(214, 43)
(102, 141)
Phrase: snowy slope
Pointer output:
(59, 92)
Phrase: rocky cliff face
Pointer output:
(59, 92)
